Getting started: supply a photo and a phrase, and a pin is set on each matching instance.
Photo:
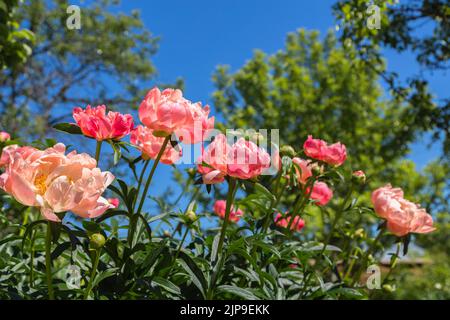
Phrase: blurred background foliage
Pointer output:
(327, 86)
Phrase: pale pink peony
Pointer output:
(220, 208)
(283, 222)
(247, 160)
(216, 156)
(305, 169)
(150, 145)
(321, 193)
(334, 154)
(95, 123)
(403, 216)
(55, 182)
(4, 136)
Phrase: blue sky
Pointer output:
(198, 35)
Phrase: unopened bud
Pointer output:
(388, 288)
(359, 233)
(4, 136)
(287, 150)
(359, 176)
(191, 216)
(97, 241)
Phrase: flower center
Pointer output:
(39, 183)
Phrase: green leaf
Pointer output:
(240, 292)
(166, 284)
(214, 248)
(68, 128)
(194, 271)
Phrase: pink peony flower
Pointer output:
(334, 154)
(4, 136)
(220, 208)
(95, 123)
(283, 222)
(197, 124)
(305, 169)
(321, 193)
(55, 182)
(315, 148)
(150, 145)
(216, 156)
(403, 216)
(114, 202)
(247, 160)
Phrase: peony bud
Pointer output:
(288, 151)
(97, 241)
(4, 136)
(359, 176)
(388, 288)
(191, 216)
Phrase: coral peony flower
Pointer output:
(150, 145)
(95, 123)
(164, 111)
(283, 222)
(247, 160)
(305, 169)
(4, 136)
(321, 193)
(55, 182)
(197, 124)
(220, 208)
(216, 156)
(403, 216)
(334, 154)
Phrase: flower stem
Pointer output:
(48, 261)
(230, 197)
(97, 151)
(93, 272)
(133, 222)
(273, 203)
(335, 221)
(141, 177)
(357, 275)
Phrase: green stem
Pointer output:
(48, 261)
(273, 203)
(141, 177)
(93, 272)
(335, 221)
(25, 221)
(230, 196)
(179, 248)
(392, 264)
(97, 151)
(133, 222)
(33, 236)
(357, 275)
